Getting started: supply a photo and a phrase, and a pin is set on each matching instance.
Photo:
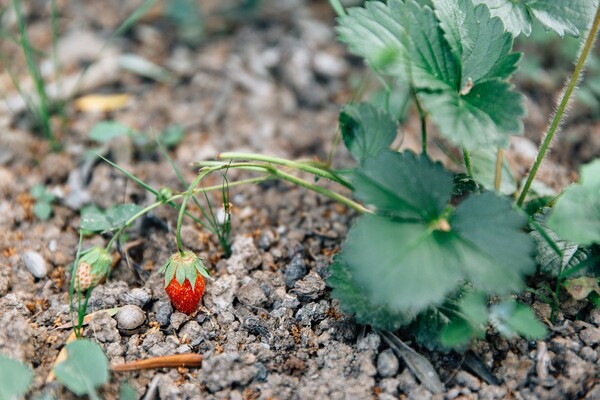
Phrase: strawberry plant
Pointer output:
(440, 251)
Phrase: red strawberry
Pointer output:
(184, 298)
(183, 280)
(94, 265)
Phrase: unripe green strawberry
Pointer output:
(183, 280)
(93, 266)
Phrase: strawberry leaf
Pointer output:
(355, 301)
(553, 254)
(576, 215)
(414, 259)
(85, 369)
(562, 16)
(511, 318)
(458, 60)
(404, 185)
(366, 130)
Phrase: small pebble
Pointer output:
(162, 312)
(35, 263)
(309, 288)
(138, 296)
(295, 270)
(464, 378)
(387, 363)
(129, 319)
(590, 335)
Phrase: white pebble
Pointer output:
(35, 263)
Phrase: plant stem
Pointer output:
(498, 175)
(188, 194)
(337, 7)
(136, 216)
(562, 106)
(299, 165)
(468, 165)
(423, 117)
(274, 173)
(321, 190)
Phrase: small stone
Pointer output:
(245, 256)
(387, 363)
(464, 378)
(590, 336)
(595, 317)
(225, 370)
(138, 296)
(167, 389)
(130, 319)
(178, 318)
(589, 354)
(192, 332)
(312, 312)
(310, 288)
(251, 295)
(35, 264)
(266, 239)
(407, 382)
(295, 270)
(492, 392)
(162, 312)
(329, 65)
(221, 294)
(389, 385)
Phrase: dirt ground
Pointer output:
(271, 82)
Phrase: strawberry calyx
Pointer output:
(184, 265)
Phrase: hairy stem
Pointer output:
(562, 106)
(468, 165)
(274, 173)
(306, 166)
(338, 7)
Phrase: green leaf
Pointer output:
(355, 301)
(513, 14)
(366, 130)
(576, 215)
(457, 60)
(402, 266)
(15, 378)
(474, 306)
(481, 118)
(85, 369)
(42, 210)
(119, 214)
(40, 193)
(495, 251)
(478, 41)
(404, 185)
(106, 131)
(457, 333)
(554, 255)
(172, 135)
(400, 40)
(94, 222)
(126, 392)
(416, 259)
(511, 318)
(562, 16)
